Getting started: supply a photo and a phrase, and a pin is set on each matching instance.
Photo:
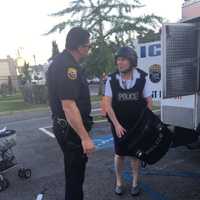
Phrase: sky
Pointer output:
(23, 23)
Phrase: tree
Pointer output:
(25, 76)
(150, 36)
(99, 63)
(55, 50)
(107, 20)
(26, 72)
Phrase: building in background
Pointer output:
(38, 74)
(180, 103)
(8, 73)
(190, 10)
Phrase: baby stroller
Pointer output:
(7, 158)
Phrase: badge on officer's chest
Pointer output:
(72, 73)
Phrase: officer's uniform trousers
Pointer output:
(74, 161)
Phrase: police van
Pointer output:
(180, 104)
(150, 60)
(173, 65)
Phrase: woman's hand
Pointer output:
(120, 131)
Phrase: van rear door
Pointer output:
(180, 68)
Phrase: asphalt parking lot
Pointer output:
(176, 177)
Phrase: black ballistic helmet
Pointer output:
(76, 37)
(129, 53)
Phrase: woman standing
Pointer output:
(127, 92)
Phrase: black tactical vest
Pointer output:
(128, 103)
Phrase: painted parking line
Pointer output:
(49, 133)
(44, 130)
(106, 141)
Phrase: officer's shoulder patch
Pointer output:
(72, 73)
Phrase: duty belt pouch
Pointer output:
(150, 139)
(67, 134)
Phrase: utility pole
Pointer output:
(34, 57)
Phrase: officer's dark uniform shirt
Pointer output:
(66, 81)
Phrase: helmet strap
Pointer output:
(125, 72)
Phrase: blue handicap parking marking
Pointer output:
(151, 193)
(185, 174)
(106, 141)
(103, 142)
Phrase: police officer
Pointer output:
(127, 92)
(70, 105)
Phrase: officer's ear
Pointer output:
(79, 50)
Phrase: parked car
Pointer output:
(94, 80)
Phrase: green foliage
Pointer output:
(25, 76)
(55, 50)
(26, 72)
(150, 36)
(15, 97)
(4, 89)
(106, 18)
(99, 61)
(7, 88)
(34, 94)
(9, 107)
(112, 23)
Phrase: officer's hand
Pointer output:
(120, 131)
(88, 145)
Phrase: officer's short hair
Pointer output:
(76, 37)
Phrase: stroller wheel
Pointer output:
(24, 173)
(1, 178)
(20, 173)
(1, 186)
(4, 184)
(27, 173)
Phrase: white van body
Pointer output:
(150, 61)
(180, 104)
